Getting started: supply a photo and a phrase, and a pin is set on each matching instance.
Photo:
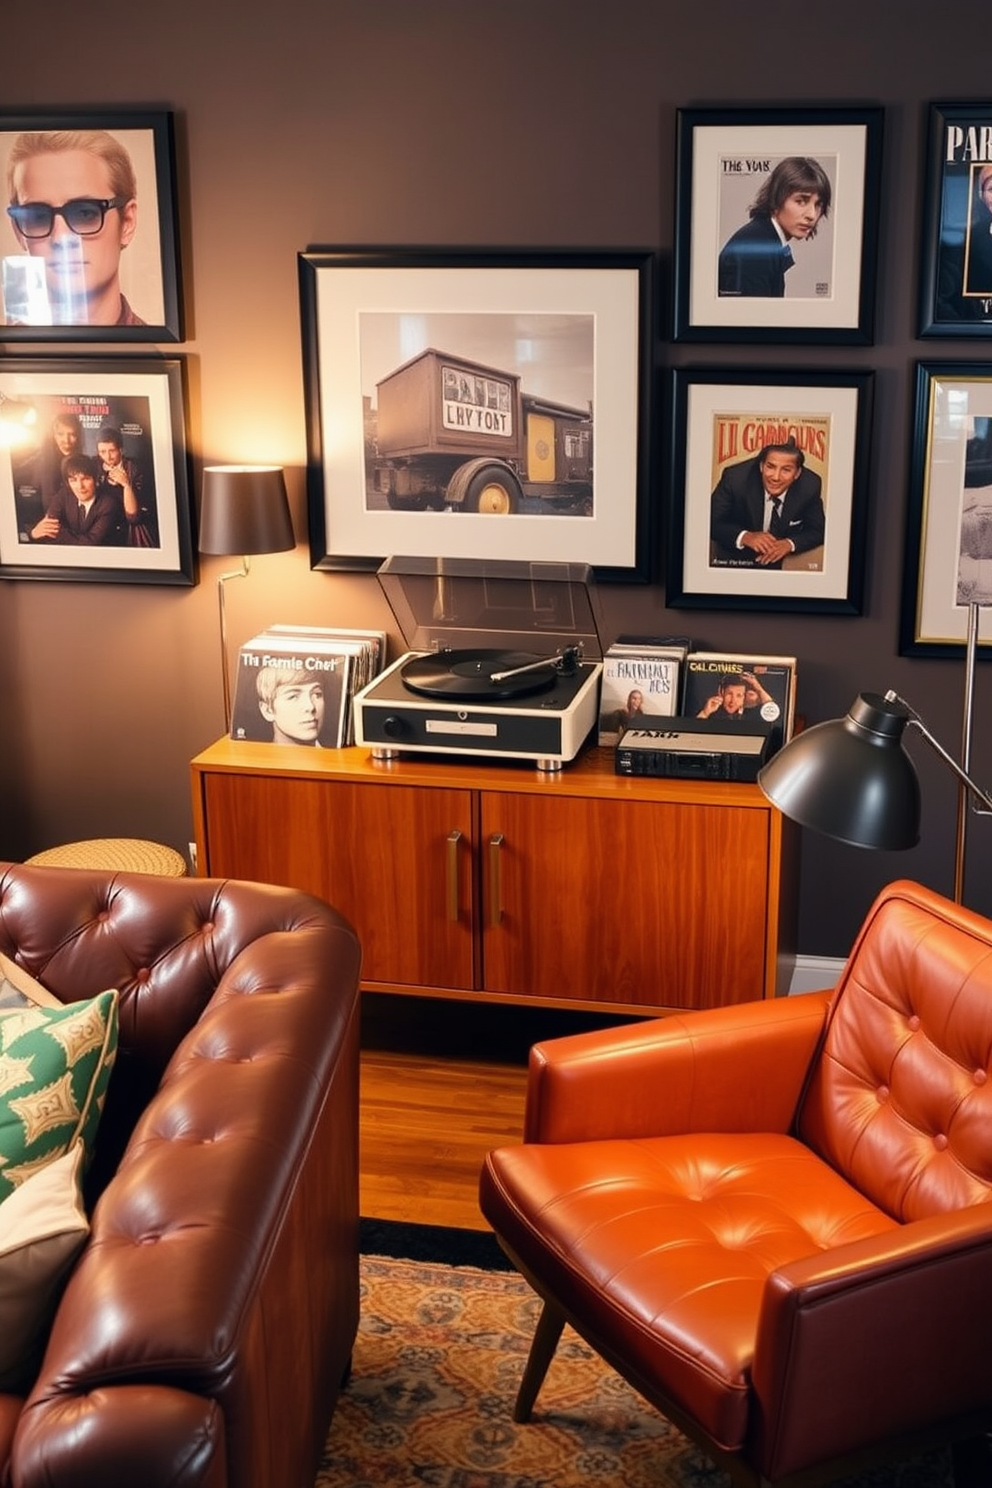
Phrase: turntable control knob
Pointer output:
(393, 727)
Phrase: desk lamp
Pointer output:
(244, 510)
(851, 778)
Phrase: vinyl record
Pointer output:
(467, 676)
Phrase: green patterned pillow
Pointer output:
(55, 1064)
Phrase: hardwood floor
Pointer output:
(432, 1105)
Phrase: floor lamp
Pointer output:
(244, 510)
(852, 779)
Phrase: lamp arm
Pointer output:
(985, 809)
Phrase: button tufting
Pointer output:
(940, 1141)
(882, 1094)
(914, 1022)
(142, 975)
(980, 1076)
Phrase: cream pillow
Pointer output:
(17, 989)
(43, 1227)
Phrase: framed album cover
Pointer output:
(769, 490)
(949, 526)
(88, 239)
(956, 269)
(776, 224)
(94, 486)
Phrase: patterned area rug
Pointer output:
(437, 1364)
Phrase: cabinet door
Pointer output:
(658, 904)
(395, 860)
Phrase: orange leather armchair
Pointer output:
(774, 1219)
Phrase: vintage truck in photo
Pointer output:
(452, 433)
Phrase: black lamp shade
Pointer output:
(245, 510)
(851, 778)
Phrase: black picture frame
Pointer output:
(743, 292)
(956, 265)
(145, 399)
(149, 263)
(724, 417)
(560, 342)
(949, 514)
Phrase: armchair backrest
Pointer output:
(900, 1098)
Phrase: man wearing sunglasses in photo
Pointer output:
(72, 205)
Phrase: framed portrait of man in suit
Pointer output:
(776, 225)
(767, 500)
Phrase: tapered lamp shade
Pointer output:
(245, 510)
(851, 778)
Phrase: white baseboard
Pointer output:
(813, 973)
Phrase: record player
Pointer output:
(504, 661)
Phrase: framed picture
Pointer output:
(776, 224)
(89, 242)
(949, 529)
(473, 405)
(768, 499)
(956, 279)
(94, 484)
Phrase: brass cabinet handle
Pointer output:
(495, 894)
(452, 873)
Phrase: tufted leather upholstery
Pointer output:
(774, 1218)
(206, 1328)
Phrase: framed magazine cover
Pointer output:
(949, 523)
(88, 240)
(776, 224)
(94, 484)
(478, 404)
(956, 268)
(741, 438)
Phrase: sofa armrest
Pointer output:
(737, 1068)
(920, 1362)
(152, 1435)
(224, 1252)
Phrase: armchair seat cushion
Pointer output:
(665, 1260)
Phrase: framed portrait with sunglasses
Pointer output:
(88, 239)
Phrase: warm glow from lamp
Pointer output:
(244, 510)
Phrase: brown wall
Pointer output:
(543, 122)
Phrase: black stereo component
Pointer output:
(685, 753)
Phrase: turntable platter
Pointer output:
(468, 675)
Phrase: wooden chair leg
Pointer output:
(542, 1351)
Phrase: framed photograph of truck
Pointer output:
(776, 224)
(478, 405)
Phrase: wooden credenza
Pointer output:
(495, 882)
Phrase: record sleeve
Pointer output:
(290, 690)
(636, 682)
(733, 690)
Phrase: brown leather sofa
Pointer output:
(775, 1219)
(208, 1324)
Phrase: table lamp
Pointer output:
(851, 778)
(244, 510)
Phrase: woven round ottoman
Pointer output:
(119, 854)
